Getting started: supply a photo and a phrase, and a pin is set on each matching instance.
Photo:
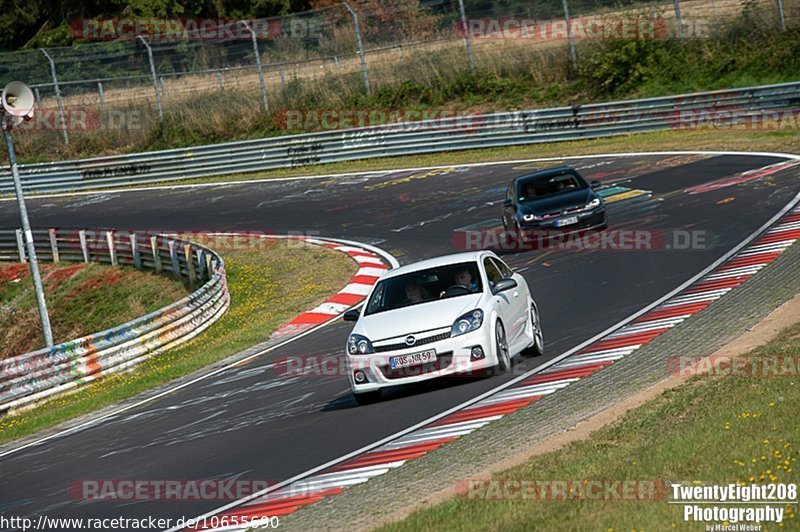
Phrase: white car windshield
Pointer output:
(423, 286)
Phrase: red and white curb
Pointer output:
(604, 351)
(372, 263)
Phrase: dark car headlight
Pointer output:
(471, 321)
(359, 345)
(531, 217)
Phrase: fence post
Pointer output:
(467, 36)
(283, 77)
(20, 246)
(84, 247)
(221, 81)
(156, 256)
(360, 47)
(572, 52)
(102, 95)
(58, 97)
(112, 249)
(54, 245)
(678, 19)
(137, 259)
(336, 60)
(781, 15)
(173, 255)
(153, 74)
(187, 252)
(38, 98)
(264, 96)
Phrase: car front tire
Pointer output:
(501, 348)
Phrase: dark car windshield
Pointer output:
(443, 282)
(534, 188)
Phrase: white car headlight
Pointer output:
(592, 204)
(469, 322)
(359, 345)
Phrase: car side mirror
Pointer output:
(504, 285)
(352, 315)
(595, 184)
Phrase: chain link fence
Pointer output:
(125, 81)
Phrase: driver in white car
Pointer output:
(464, 278)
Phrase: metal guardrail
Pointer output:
(31, 377)
(478, 131)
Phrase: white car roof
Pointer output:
(444, 260)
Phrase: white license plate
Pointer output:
(413, 359)
(567, 221)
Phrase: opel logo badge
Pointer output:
(410, 340)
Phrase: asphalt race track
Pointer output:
(253, 423)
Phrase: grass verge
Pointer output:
(268, 288)
(710, 430)
(81, 299)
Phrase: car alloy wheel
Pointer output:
(503, 355)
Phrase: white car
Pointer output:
(441, 316)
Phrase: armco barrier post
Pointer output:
(84, 247)
(137, 259)
(156, 257)
(112, 248)
(58, 97)
(20, 246)
(201, 264)
(54, 245)
(187, 252)
(173, 256)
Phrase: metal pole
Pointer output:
(572, 52)
(360, 46)
(58, 97)
(155, 79)
(678, 18)
(781, 15)
(467, 36)
(258, 66)
(102, 95)
(26, 229)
